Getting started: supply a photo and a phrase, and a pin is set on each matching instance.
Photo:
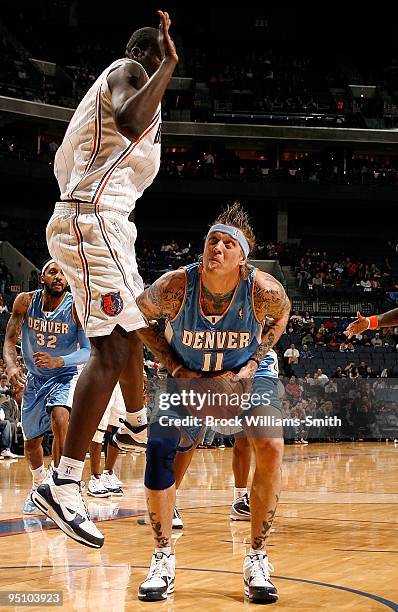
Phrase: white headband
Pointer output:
(48, 263)
(234, 232)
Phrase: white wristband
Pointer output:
(174, 372)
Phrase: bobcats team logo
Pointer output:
(111, 304)
(240, 314)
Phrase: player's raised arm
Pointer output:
(13, 331)
(163, 299)
(361, 323)
(135, 98)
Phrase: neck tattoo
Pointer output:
(215, 303)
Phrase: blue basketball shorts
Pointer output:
(40, 396)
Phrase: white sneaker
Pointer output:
(7, 454)
(61, 500)
(28, 506)
(160, 580)
(240, 509)
(96, 488)
(117, 480)
(177, 520)
(256, 577)
(131, 439)
(108, 482)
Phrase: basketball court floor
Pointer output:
(334, 545)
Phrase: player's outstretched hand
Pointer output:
(360, 324)
(16, 378)
(166, 43)
(44, 360)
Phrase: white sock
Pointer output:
(166, 550)
(137, 419)
(72, 469)
(239, 492)
(38, 474)
(257, 552)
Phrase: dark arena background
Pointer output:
(292, 111)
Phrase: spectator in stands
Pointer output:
(308, 339)
(291, 355)
(3, 305)
(208, 165)
(332, 343)
(303, 276)
(369, 373)
(319, 339)
(366, 340)
(362, 369)
(317, 283)
(12, 414)
(5, 388)
(293, 389)
(388, 337)
(6, 436)
(376, 341)
(307, 319)
(366, 284)
(296, 321)
(322, 378)
(346, 347)
(306, 353)
(338, 373)
(349, 367)
(353, 373)
(331, 387)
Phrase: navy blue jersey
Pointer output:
(211, 343)
(55, 333)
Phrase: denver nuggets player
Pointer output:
(51, 334)
(110, 154)
(216, 313)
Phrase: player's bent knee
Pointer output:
(160, 454)
(32, 445)
(59, 418)
(271, 448)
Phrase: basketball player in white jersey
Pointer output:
(109, 155)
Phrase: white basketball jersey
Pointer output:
(96, 163)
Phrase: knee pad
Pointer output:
(160, 454)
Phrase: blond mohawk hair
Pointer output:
(235, 215)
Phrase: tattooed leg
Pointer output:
(265, 491)
(160, 509)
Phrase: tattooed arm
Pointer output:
(14, 325)
(272, 305)
(163, 299)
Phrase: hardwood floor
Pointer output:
(334, 544)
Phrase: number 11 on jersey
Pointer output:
(212, 362)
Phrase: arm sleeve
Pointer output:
(82, 354)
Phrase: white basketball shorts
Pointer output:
(95, 249)
(115, 411)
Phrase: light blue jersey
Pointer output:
(213, 343)
(55, 333)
